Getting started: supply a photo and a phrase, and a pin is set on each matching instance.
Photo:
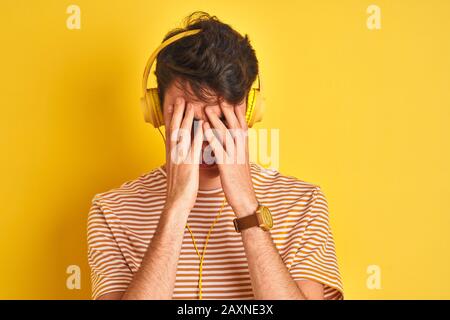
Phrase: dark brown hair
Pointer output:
(218, 59)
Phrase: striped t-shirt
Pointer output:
(122, 222)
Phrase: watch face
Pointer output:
(266, 217)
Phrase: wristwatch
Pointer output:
(261, 218)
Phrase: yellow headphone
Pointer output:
(150, 99)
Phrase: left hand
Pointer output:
(231, 151)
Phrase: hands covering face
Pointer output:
(229, 142)
(225, 135)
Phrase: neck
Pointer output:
(209, 179)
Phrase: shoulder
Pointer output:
(141, 189)
(273, 181)
(288, 195)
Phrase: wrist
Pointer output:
(247, 209)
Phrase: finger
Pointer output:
(197, 142)
(186, 125)
(241, 138)
(188, 117)
(168, 116)
(217, 147)
(224, 134)
(177, 117)
(228, 112)
(241, 149)
(219, 127)
(167, 125)
(240, 111)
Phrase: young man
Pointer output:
(147, 238)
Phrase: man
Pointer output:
(171, 232)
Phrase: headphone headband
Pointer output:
(164, 44)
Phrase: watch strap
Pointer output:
(245, 222)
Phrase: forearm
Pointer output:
(269, 276)
(155, 278)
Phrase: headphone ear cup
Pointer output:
(255, 108)
(145, 106)
(151, 108)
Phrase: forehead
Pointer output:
(180, 88)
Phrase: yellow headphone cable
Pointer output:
(201, 257)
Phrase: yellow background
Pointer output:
(363, 113)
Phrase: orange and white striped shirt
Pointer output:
(122, 222)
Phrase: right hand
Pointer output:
(182, 157)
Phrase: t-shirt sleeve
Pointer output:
(109, 270)
(315, 258)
